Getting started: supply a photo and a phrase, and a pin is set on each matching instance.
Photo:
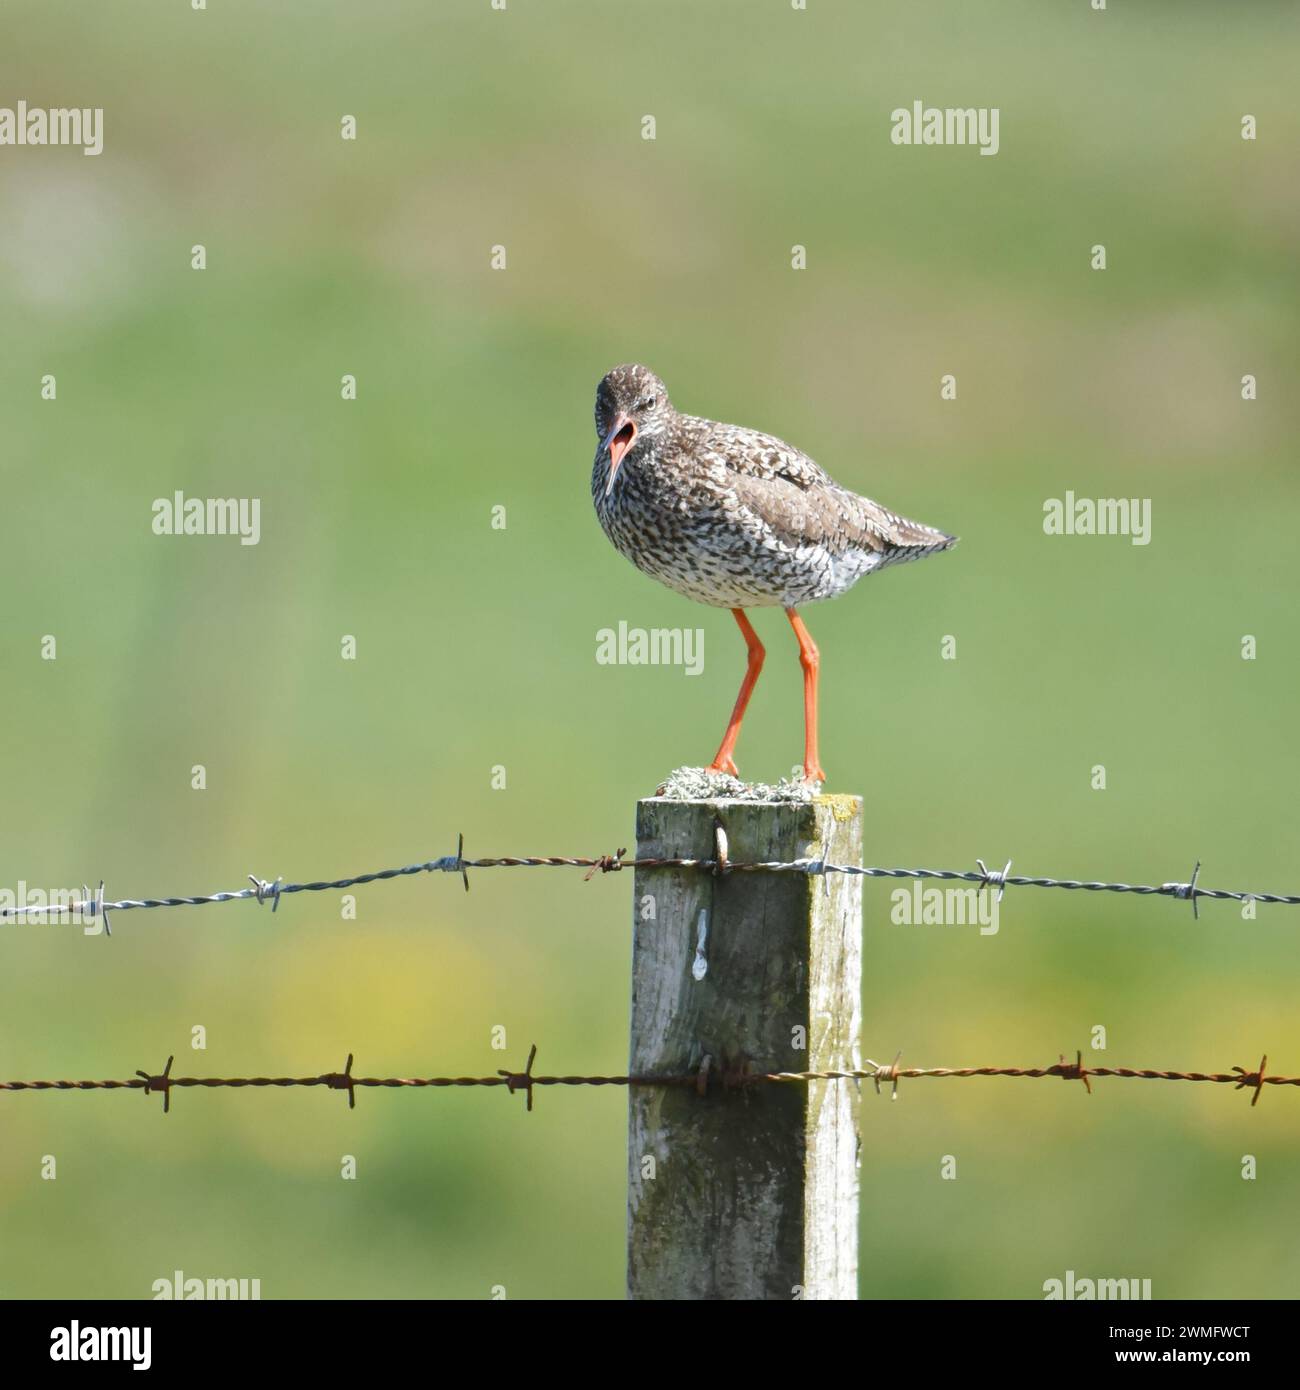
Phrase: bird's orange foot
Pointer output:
(726, 764)
(813, 773)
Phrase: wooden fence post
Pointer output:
(745, 1192)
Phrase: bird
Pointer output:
(735, 518)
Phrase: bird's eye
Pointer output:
(648, 403)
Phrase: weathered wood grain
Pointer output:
(754, 1191)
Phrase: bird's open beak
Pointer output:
(618, 441)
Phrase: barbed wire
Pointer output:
(98, 909)
(705, 1081)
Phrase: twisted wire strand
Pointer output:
(163, 1083)
(262, 890)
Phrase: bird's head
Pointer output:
(632, 410)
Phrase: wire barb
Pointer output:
(994, 878)
(94, 905)
(604, 864)
(1075, 1071)
(1253, 1079)
(888, 1073)
(344, 1081)
(1190, 890)
(263, 890)
(163, 1083)
(522, 1081)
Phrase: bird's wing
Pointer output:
(801, 503)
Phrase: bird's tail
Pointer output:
(913, 540)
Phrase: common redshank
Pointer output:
(736, 519)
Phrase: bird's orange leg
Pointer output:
(723, 762)
(810, 660)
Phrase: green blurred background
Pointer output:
(477, 646)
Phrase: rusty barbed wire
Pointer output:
(95, 907)
(704, 1081)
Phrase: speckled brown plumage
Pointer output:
(733, 517)
(736, 519)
